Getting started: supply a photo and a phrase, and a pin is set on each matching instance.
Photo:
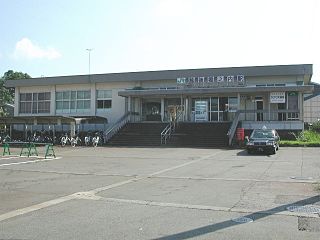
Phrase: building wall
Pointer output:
(312, 109)
(119, 103)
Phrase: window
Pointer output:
(104, 99)
(73, 101)
(233, 104)
(35, 102)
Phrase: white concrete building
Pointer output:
(249, 96)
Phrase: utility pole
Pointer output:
(89, 51)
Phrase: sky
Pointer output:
(50, 37)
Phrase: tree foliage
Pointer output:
(12, 75)
(7, 94)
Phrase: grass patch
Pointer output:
(303, 139)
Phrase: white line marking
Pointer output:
(185, 164)
(35, 207)
(31, 161)
(88, 194)
(239, 179)
(11, 156)
(205, 207)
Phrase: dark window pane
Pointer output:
(23, 97)
(35, 107)
(214, 104)
(47, 107)
(100, 103)
(80, 104)
(73, 105)
(86, 104)
(28, 96)
(107, 104)
(47, 96)
(41, 96)
(35, 96)
(59, 96)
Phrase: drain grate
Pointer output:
(304, 209)
(242, 220)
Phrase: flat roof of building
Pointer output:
(273, 70)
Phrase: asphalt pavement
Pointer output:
(160, 193)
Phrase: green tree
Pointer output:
(7, 94)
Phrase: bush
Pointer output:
(315, 127)
(306, 139)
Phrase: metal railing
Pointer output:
(233, 127)
(166, 133)
(118, 125)
(270, 115)
(170, 129)
(261, 116)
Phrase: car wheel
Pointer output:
(273, 151)
(249, 151)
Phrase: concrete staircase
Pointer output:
(138, 134)
(200, 135)
(186, 135)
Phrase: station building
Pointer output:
(247, 97)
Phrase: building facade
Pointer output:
(312, 105)
(252, 96)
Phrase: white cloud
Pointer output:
(25, 49)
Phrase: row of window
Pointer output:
(66, 101)
(35, 102)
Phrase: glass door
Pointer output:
(259, 106)
(201, 111)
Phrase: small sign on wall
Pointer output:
(277, 97)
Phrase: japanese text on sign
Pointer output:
(211, 81)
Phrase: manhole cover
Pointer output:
(304, 209)
(242, 220)
(301, 178)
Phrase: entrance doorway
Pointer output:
(259, 106)
(151, 111)
(201, 111)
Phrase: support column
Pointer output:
(129, 103)
(300, 101)
(53, 101)
(189, 109)
(93, 99)
(186, 109)
(72, 129)
(17, 101)
(162, 109)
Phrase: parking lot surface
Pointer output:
(160, 193)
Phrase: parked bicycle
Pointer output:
(87, 140)
(64, 140)
(75, 141)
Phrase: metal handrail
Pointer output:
(166, 132)
(269, 115)
(233, 127)
(118, 125)
(170, 129)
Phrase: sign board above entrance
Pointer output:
(277, 97)
(211, 81)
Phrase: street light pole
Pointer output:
(89, 51)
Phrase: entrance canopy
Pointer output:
(51, 120)
(200, 91)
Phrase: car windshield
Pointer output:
(262, 134)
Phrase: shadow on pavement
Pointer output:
(226, 224)
(244, 153)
